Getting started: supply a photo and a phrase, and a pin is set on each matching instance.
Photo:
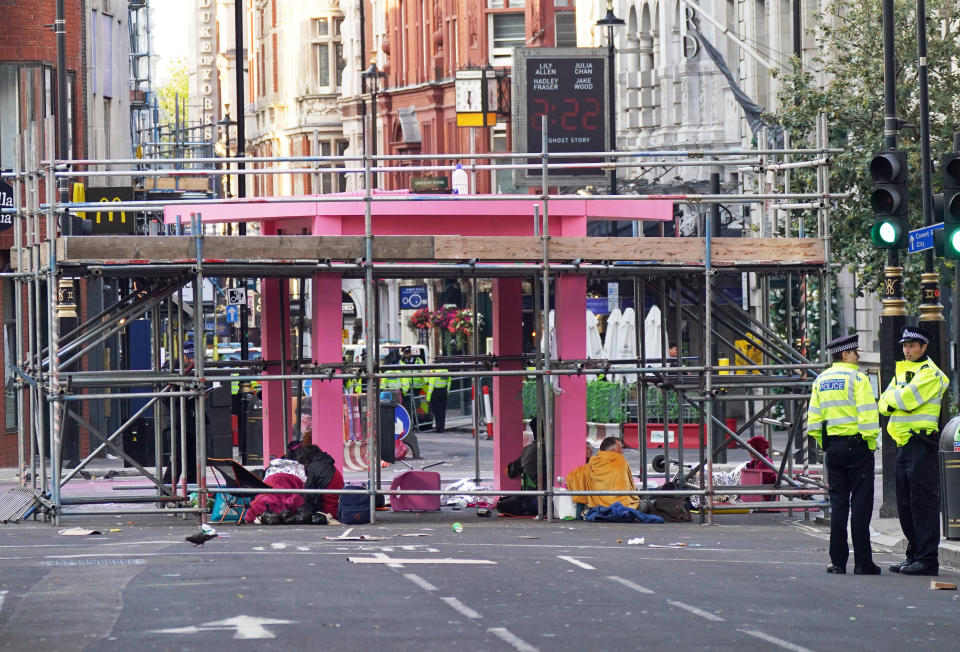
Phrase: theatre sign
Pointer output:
(207, 95)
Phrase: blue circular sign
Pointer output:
(401, 422)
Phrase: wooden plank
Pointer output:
(446, 248)
(256, 249)
(725, 251)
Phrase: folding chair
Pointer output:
(232, 475)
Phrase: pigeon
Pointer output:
(201, 537)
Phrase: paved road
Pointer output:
(756, 582)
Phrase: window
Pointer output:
(508, 32)
(106, 51)
(9, 356)
(565, 23)
(505, 4)
(94, 50)
(327, 51)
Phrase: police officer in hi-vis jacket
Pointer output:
(912, 399)
(843, 418)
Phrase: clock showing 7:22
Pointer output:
(569, 92)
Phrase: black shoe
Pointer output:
(920, 568)
(836, 570)
(872, 569)
(895, 568)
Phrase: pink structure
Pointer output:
(431, 215)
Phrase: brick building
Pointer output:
(28, 95)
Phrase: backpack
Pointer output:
(518, 505)
(354, 509)
(672, 509)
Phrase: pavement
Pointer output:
(454, 454)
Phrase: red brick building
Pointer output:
(422, 46)
(28, 96)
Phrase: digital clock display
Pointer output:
(570, 93)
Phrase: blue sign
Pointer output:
(233, 314)
(401, 422)
(597, 305)
(413, 297)
(921, 239)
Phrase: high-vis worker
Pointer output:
(843, 418)
(912, 399)
(437, 387)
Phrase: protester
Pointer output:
(608, 470)
(321, 473)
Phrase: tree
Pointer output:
(851, 62)
(175, 91)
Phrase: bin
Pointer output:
(950, 481)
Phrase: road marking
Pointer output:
(629, 584)
(419, 581)
(576, 562)
(3, 594)
(694, 610)
(787, 645)
(512, 639)
(247, 627)
(381, 558)
(462, 608)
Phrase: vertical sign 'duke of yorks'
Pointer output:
(206, 66)
(568, 87)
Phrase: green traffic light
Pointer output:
(887, 234)
(955, 242)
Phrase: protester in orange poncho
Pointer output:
(608, 470)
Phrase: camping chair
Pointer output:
(230, 474)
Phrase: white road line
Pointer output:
(629, 584)
(787, 645)
(462, 608)
(694, 610)
(576, 562)
(419, 581)
(511, 639)
(3, 594)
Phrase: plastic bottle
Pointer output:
(956, 441)
(459, 181)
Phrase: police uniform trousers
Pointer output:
(438, 407)
(850, 470)
(918, 499)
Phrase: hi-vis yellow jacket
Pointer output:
(912, 399)
(841, 398)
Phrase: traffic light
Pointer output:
(950, 179)
(889, 199)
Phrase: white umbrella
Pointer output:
(594, 342)
(652, 335)
(626, 345)
(610, 337)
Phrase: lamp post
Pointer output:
(610, 21)
(225, 125)
(374, 75)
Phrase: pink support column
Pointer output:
(570, 410)
(274, 302)
(326, 337)
(507, 403)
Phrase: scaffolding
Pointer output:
(53, 344)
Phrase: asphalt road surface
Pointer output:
(753, 582)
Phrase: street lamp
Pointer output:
(374, 75)
(224, 126)
(610, 21)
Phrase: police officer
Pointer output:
(912, 399)
(437, 396)
(843, 418)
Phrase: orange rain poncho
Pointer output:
(606, 471)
